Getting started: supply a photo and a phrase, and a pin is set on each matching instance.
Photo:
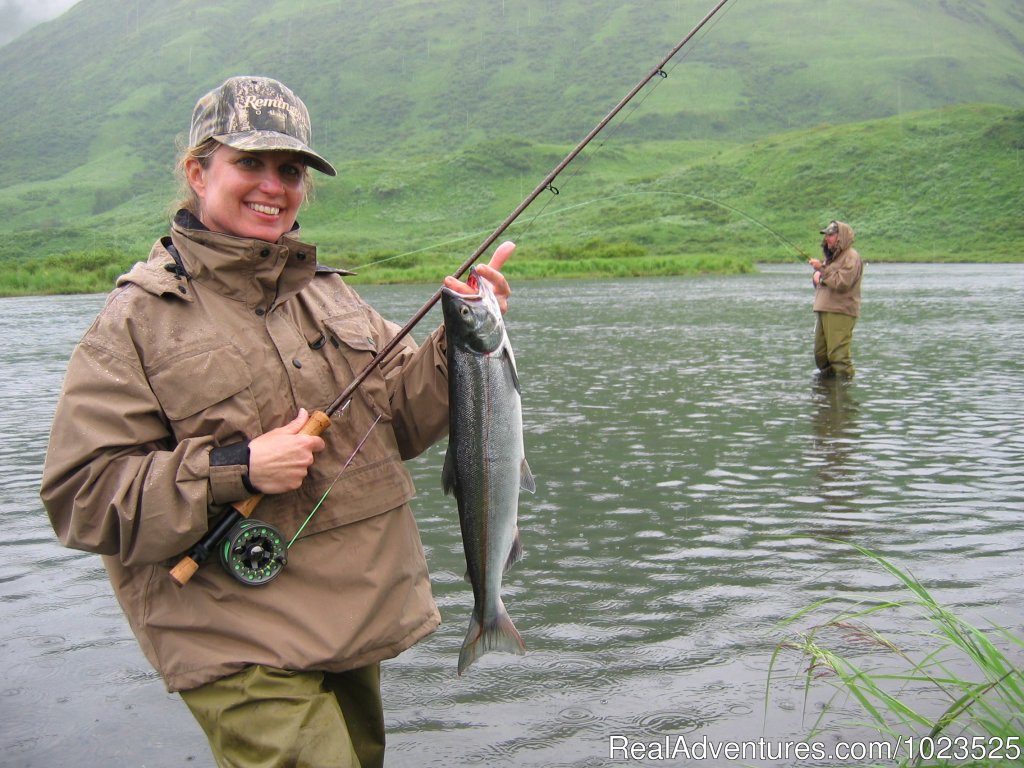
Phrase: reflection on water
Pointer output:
(692, 479)
(834, 449)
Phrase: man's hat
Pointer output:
(831, 229)
(255, 114)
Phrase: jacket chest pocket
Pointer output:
(207, 392)
(351, 347)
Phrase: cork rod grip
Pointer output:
(188, 565)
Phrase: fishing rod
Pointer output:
(321, 420)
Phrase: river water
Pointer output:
(692, 481)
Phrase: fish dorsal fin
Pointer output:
(526, 481)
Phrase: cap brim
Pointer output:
(272, 141)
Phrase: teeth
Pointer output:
(267, 209)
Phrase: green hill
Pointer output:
(442, 115)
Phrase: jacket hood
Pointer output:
(158, 275)
(845, 239)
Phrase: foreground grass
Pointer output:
(982, 693)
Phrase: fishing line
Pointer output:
(335, 480)
(732, 208)
(593, 201)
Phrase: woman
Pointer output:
(188, 393)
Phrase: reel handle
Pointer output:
(189, 564)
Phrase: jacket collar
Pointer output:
(255, 272)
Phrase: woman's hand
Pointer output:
(491, 272)
(280, 459)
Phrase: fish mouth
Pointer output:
(473, 281)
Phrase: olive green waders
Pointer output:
(263, 717)
(833, 342)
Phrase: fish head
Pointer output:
(473, 321)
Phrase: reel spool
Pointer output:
(254, 552)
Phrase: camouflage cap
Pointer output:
(255, 114)
(831, 229)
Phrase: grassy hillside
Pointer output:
(113, 81)
(937, 185)
(442, 114)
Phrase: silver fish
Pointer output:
(485, 466)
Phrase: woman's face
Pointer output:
(249, 194)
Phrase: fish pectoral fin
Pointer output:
(511, 368)
(526, 481)
(515, 554)
(448, 473)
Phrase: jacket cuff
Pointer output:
(229, 473)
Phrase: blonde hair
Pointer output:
(203, 153)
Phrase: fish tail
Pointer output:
(499, 635)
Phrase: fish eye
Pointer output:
(464, 311)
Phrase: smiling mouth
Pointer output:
(269, 210)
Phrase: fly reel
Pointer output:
(254, 552)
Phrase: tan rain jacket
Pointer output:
(176, 365)
(839, 289)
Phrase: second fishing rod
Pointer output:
(321, 420)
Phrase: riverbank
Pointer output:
(97, 271)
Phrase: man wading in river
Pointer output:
(836, 300)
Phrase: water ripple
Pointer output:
(693, 481)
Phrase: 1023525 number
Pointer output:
(965, 747)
